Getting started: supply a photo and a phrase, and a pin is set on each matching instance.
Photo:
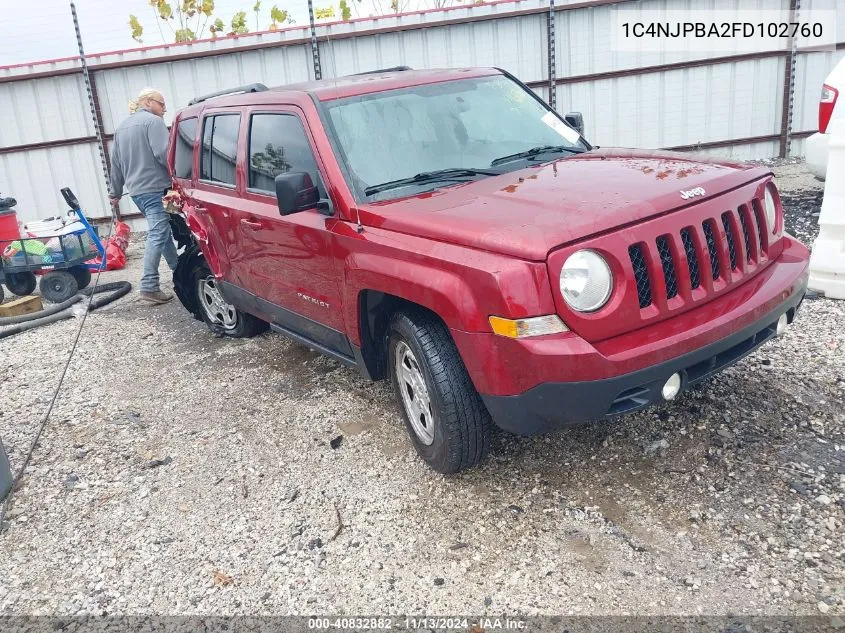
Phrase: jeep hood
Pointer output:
(528, 212)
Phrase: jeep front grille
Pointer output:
(712, 246)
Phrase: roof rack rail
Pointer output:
(257, 87)
(383, 70)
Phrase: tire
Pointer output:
(455, 435)
(221, 318)
(184, 284)
(58, 286)
(2, 294)
(21, 284)
(82, 276)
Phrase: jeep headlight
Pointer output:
(771, 210)
(586, 281)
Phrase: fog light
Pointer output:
(672, 387)
(783, 321)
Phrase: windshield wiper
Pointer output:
(450, 173)
(534, 151)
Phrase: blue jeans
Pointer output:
(159, 239)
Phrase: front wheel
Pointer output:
(448, 423)
(221, 317)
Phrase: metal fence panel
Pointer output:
(40, 110)
(680, 107)
(181, 81)
(584, 37)
(34, 178)
(516, 44)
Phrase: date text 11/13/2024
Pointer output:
(485, 624)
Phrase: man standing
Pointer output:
(139, 165)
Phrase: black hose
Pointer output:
(118, 289)
(32, 316)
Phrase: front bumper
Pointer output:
(550, 405)
(532, 386)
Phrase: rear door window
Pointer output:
(220, 148)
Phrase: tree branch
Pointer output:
(158, 25)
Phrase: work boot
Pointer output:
(157, 297)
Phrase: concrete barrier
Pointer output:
(827, 262)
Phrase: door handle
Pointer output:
(253, 224)
(200, 209)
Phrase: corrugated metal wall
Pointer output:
(637, 106)
(683, 107)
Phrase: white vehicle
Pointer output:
(815, 149)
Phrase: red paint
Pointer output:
(501, 366)
(496, 247)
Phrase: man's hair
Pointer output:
(145, 95)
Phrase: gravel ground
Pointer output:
(186, 474)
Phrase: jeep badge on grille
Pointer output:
(698, 191)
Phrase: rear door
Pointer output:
(288, 260)
(217, 187)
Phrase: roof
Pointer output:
(349, 86)
(353, 85)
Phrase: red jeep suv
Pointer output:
(449, 231)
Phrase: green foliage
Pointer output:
(345, 11)
(165, 11)
(185, 35)
(239, 26)
(217, 27)
(188, 19)
(278, 16)
(137, 29)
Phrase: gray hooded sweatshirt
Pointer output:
(139, 155)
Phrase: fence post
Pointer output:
(550, 36)
(789, 86)
(315, 49)
(93, 103)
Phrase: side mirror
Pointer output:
(295, 192)
(575, 120)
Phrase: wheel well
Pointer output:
(375, 310)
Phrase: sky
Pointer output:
(49, 34)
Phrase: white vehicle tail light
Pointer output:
(826, 105)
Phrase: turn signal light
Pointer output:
(521, 328)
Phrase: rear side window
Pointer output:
(183, 164)
(220, 148)
(278, 144)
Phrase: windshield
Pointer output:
(466, 124)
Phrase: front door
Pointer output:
(288, 259)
